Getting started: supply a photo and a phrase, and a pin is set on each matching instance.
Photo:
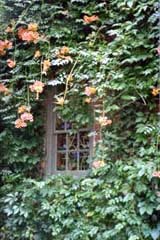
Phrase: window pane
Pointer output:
(61, 141)
(83, 140)
(68, 125)
(83, 157)
(61, 161)
(72, 142)
(60, 125)
(72, 160)
(72, 149)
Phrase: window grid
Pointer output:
(78, 153)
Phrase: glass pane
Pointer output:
(72, 142)
(68, 125)
(61, 161)
(72, 160)
(60, 125)
(83, 164)
(83, 140)
(61, 141)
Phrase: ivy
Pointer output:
(114, 201)
(111, 47)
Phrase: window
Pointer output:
(67, 152)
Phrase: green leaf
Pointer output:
(155, 234)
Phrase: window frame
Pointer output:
(51, 140)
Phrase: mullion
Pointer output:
(68, 130)
(63, 151)
(56, 151)
(66, 150)
(78, 151)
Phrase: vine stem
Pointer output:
(143, 99)
(74, 65)
(159, 80)
(103, 110)
(41, 68)
(69, 76)
(100, 28)
(103, 113)
(28, 97)
(15, 46)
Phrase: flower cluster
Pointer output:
(37, 87)
(158, 50)
(90, 91)
(37, 54)
(63, 53)
(88, 100)
(4, 45)
(104, 121)
(46, 65)
(156, 174)
(9, 29)
(98, 164)
(29, 34)
(90, 19)
(19, 123)
(3, 89)
(60, 101)
(155, 91)
(23, 108)
(25, 117)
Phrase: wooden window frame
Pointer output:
(51, 141)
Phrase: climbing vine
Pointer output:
(97, 54)
(93, 56)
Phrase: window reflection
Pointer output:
(61, 141)
(84, 140)
(83, 164)
(61, 161)
(72, 142)
(72, 160)
(60, 125)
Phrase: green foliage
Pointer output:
(20, 150)
(115, 54)
(115, 201)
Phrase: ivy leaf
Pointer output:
(130, 3)
(135, 237)
(128, 97)
(155, 233)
